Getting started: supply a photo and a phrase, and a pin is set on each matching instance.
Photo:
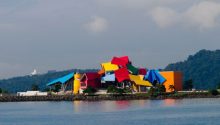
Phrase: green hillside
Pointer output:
(203, 68)
(24, 83)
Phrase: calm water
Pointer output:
(138, 112)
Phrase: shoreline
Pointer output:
(105, 97)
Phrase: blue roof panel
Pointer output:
(153, 75)
(61, 80)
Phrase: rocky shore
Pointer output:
(9, 98)
(69, 98)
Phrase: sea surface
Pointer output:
(135, 112)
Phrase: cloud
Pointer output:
(164, 17)
(97, 25)
(203, 15)
(136, 4)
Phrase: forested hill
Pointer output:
(203, 68)
(24, 83)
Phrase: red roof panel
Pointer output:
(142, 71)
(122, 74)
(120, 61)
(92, 75)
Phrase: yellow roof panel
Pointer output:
(109, 67)
(142, 77)
(138, 79)
(134, 77)
(143, 83)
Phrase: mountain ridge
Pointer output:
(203, 68)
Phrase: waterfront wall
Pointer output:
(103, 97)
(70, 98)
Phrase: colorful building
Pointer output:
(174, 80)
(91, 79)
(122, 73)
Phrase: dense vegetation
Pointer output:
(203, 69)
(115, 90)
(89, 90)
(36, 82)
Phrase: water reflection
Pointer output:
(108, 106)
(112, 106)
(76, 106)
(142, 103)
(124, 104)
(99, 106)
(169, 102)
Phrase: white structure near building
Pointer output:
(32, 93)
(33, 73)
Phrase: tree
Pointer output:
(218, 86)
(213, 92)
(111, 89)
(34, 87)
(156, 90)
(172, 88)
(89, 90)
(5, 91)
(57, 87)
(188, 84)
(46, 89)
(160, 88)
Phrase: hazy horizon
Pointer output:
(60, 35)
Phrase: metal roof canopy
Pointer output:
(61, 80)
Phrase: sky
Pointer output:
(66, 34)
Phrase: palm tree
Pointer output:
(172, 88)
